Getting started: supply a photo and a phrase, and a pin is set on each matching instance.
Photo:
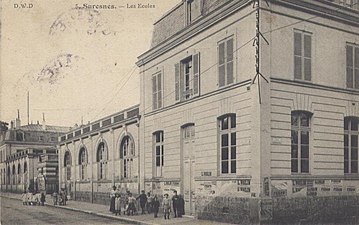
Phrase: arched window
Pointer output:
(83, 162)
(300, 135)
(18, 173)
(13, 174)
(8, 175)
(351, 139)
(228, 143)
(67, 165)
(127, 154)
(25, 167)
(102, 157)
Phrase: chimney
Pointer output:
(18, 121)
(43, 121)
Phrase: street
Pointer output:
(14, 212)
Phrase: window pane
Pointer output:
(349, 56)
(230, 72)
(294, 121)
(356, 71)
(354, 154)
(233, 153)
(304, 121)
(224, 166)
(294, 165)
(159, 81)
(307, 46)
(346, 140)
(304, 137)
(221, 75)
(346, 154)
(297, 67)
(354, 167)
(304, 152)
(157, 137)
(158, 150)
(233, 121)
(224, 140)
(304, 166)
(159, 100)
(294, 152)
(233, 139)
(221, 53)
(158, 161)
(346, 167)
(230, 50)
(354, 125)
(294, 137)
(224, 123)
(356, 57)
(224, 153)
(354, 141)
(307, 69)
(297, 44)
(233, 166)
(350, 79)
(346, 124)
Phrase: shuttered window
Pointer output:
(225, 62)
(157, 91)
(352, 58)
(302, 55)
(187, 78)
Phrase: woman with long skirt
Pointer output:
(112, 199)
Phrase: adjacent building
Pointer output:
(96, 156)
(21, 149)
(239, 151)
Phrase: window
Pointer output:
(19, 136)
(352, 66)
(225, 62)
(302, 55)
(67, 165)
(102, 158)
(193, 10)
(18, 173)
(157, 91)
(351, 134)
(349, 3)
(158, 138)
(83, 163)
(300, 135)
(13, 174)
(187, 78)
(127, 154)
(228, 144)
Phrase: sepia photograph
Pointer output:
(197, 112)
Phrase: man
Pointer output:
(175, 203)
(143, 201)
(149, 202)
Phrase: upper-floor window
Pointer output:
(157, 90)
(102, 157)
(83, 162)
(228, 144)
(302, 55)
(187, 78)
(127, 154)
(352, 66)
(349, 3)
(158, 138)
(351, 134)
(19, 136)
(300, 135)
(193, 10)
(225, 62)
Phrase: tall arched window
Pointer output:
(13, 174)
(18, 173)
(300, 135)
(102, 157)
(228, 143)
(83, 162)
(8, 175)
(25, 172)
(351, 139)
(127, 154)
(67, 165)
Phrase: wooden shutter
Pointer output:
(229, 60)
(154, 92)
(177, 82)
(196, 68)
(349, 66)
(356, 67)
(159, 90)
(297, 55)
(221, 64)
(307, 57)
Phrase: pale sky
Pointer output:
(75, 63)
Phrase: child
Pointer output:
(166, 206)
(117, 204)
(54, 197)
(131, 205)
(155, 206)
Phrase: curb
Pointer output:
(132, 221)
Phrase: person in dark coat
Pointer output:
(180, 206)
(155, 206)
(42, 199)
(143, 201)
(175, 203)
(112, 199)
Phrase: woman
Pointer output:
(112, 199)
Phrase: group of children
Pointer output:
(33, 198)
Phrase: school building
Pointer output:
(239, 150)
(98, 155)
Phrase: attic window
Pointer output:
(193, 10)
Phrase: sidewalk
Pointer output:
(103, 211)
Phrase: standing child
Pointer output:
(54, 197)
(155, 206)
(166, 206)
(117, 204)
(131, 205)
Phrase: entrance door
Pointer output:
(188, 165)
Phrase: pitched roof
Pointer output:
(49, 128)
